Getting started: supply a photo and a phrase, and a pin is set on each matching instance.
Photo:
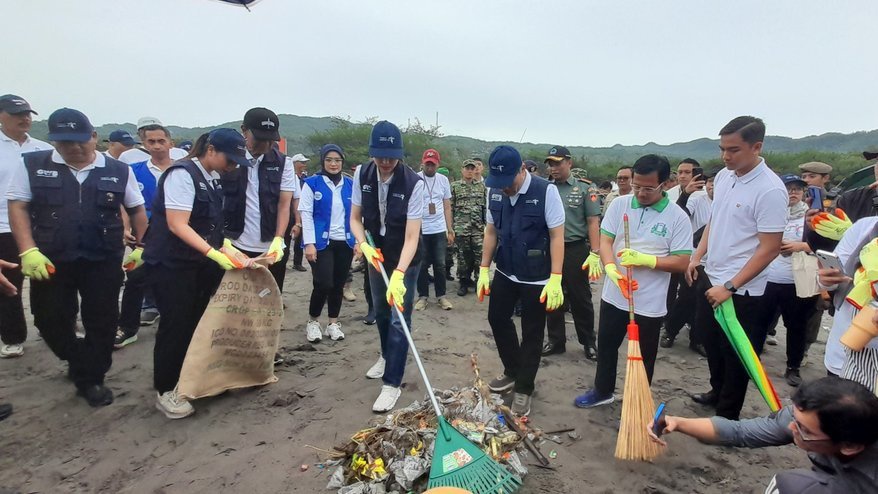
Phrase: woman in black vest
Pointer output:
(185, 231)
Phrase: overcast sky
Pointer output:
(573, 72)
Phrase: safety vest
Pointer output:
(235, 185)
(398, 195)
(522, 233)
(322, 211)
(146, 182)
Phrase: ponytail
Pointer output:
(199, 147)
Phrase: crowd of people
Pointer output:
(168, 220)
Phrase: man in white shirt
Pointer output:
(15, 122)
(748, 218)
(684, 176)
(136, 155)
(436, 230)
(623, 181)
(300, 163)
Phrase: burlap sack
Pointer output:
(236, 340)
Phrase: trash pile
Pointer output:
(395, 456)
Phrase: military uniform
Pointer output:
(580, 200)
(468, 218)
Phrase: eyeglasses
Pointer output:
(648, 190)
(335, 161)
(805, 437)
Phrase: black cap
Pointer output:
(14, 105)
(558, 153)
(67, 124)
(263, 123)
(870, 155)
(121, 136)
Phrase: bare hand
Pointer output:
(809, 215)
(6, 287)
(787, 248)
(449, 236)
(692, 272)
(671, 424)
(311, 253)
(695, 185)
(358, 254)
(717, 295)
(831, 276)
(130, 238)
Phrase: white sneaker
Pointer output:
(387, 399)
(12, 351)
(314, 332)
(421, 304)
(334, 332)
(173, 405)
(377, 370)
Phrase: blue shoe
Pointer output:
(592, 399)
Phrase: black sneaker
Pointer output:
(793, 378)
(97, 395)
(501, 384)
(5, 411)
(370, 318)
(124, 337)
(300, 268)
(449, 276)
(667, 341)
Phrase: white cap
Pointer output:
(144, 121)
(299, 157)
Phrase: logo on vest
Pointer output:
(115, 180)
(318, 195)
(367, 188)
(659, 229)
(496, 197)
(267, 124)
(140, 186)
(272, 169)
(399, 196)
(535, 202)
(202, 185)
(47, 173)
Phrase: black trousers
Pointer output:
(728, 378)
(796, 312)
(181, 295)
(681, 311)
(298, 251)
(54, 304)
(13, 328)
(367, 288)
(435, 246)
(132, 299)
(677, 279)
(520, 360)
(577, 296)
(278, 270)
(330, 273)
(612, 331)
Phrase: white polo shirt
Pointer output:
(336, 217)
(251, 237)
(742, 208)
(137, 155)
(415, 209)
(180, 189)
(10, 161)
(699, 211)
(436, 190)
(19, 187)
(662, 229)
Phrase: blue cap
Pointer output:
(122, 137)
(185, 145)
(385, 141)
(503, 165)
(793, 179)
(328, 148)
(67, 124)
(231, 143)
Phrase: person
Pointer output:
(300, 161)
(181, 256)
(388, 202)
(16, 117)
(860, 202)
(479, 175)
(137, 154)
(468, 210)
(748, 195)
(672, 182)
(659, 243)
(185, 145)
(834, 420)
(64, 208)
(581, 259)
(8, 289)
(451, 250)
(118, 142)
(137, 307)
(623, 181)
(436, 230)
(780, 291)
(684, 175)
(817, 174)
(258, 198)
(524, 233)
(325, 210)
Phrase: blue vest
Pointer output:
(322, 211)
(522, 233)
(398, 195)
(206, 218)
(147, 183)
(71, 221)
(235, 185)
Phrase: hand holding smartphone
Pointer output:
(658, 421)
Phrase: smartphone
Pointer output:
(698, 171)
(828, 260)
(658, 422)
(816, 195)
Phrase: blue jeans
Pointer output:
(394, 346)
(435, 246)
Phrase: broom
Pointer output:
(457, 462)
(637, 406)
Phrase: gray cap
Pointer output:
(816, 167)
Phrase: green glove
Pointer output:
(593, 265)
(831, 226)
(483, 285)
(552, 294)
(277, 248)
(224, 261)
(630, 257)
(134, 259)
(396, 289)
(35, 265)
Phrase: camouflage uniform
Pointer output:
(468, 218)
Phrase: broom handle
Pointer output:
(629, 271)
(408, 337)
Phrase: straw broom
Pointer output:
(637, 406)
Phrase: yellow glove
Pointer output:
(396, 289)
(865, 277)
(621, 281)
(373, 256)
(630, 257)
(230, 249)
(483, 285)
(593, 265)
(224, 261)
(552, 294)
(134, 259)
(831, 226)
(276, 249)
(35, 265)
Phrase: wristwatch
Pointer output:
(730, 287)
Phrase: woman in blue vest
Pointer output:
(185, 267)
(325, 208)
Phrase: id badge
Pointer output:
(431, 208)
